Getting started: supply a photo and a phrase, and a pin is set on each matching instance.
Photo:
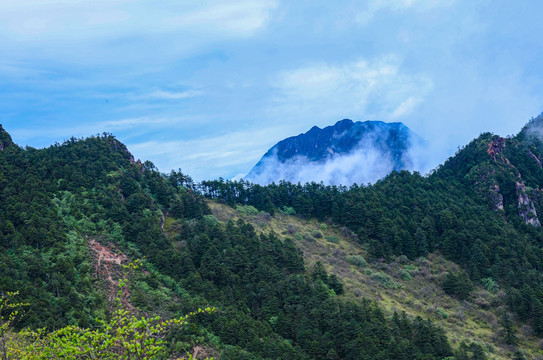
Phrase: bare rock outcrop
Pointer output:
(525, 205)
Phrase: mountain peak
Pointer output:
(344, 123)
(359, 151)
(5, 139)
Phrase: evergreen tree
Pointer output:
(508, 332)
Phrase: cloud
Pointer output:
(364, 164)
(140, 124)
(375, 6)
(173, 95)
(368, 161)
(208, 157)
(109, 31)
(361, 89)
(240, 17)
(405, 108)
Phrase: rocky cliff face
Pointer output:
(341, 154)
(497, 152)
(509, 160)
(526, 208)
(507, 173)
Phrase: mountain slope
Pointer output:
(479, 210)
(72, 213)
(505, 172)
(344, 153)
(438, 247)
(402, 285)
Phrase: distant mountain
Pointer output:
(344, 153)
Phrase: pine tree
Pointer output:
(508, 332)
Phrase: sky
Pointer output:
(209, 86)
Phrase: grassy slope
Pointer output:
(474, 320)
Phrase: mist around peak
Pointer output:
(346, 153)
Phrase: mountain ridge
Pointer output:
(284, 263)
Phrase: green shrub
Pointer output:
(356, 260)
(406, 275)
(442, 313)
(411, 268)
(323, 227)
(333, 239)
(386, 280)
(317, 234)
(211, 220)
(247, 210)
(287, 210)
(490, 284)
(308, 237)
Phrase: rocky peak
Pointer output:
(496, 147)
(290, 158)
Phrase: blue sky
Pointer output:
(209, 86)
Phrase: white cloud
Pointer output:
(361, 166)
(211, 157)
(240, 16)
(125, 29)
(140, 124)
(361, 90)
(405, 108)
(172, 95)
(375, 6)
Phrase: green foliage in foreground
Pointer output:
(124, 336)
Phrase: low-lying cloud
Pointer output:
(365, 164)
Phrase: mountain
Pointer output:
(481, 210)
(96, 248)
(344, 153)
(506, 173)
(444, 266)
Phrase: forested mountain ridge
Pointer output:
(367, 145)
(67, 209)
(63, 205)
(506, 172)
(456, 211)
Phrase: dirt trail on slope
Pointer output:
(109, 268)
